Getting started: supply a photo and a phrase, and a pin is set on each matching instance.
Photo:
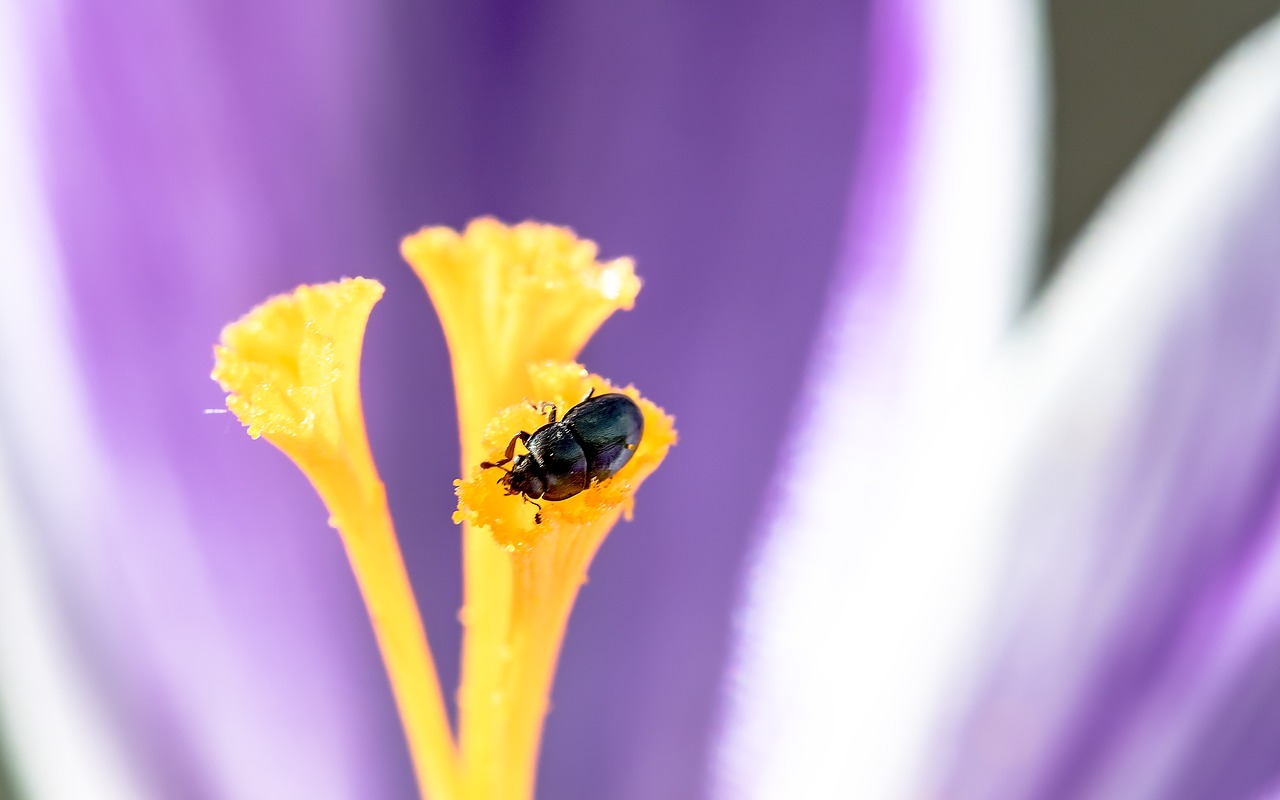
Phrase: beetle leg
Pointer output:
(590, 393)
(537, 517)
(510, 453)
(542, 409)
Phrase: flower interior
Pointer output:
(517, 304)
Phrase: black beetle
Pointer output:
(590, 443)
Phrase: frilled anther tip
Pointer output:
(511, 295)
(518, 521)
(291, 367)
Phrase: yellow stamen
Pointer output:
(517, 304)
(548, 559)
(292, 370)
(509, 298)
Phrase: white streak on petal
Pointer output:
(48, 714)
(861, 596)
(51, 724)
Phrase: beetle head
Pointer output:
(525, 478)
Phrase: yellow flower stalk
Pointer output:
(517, 304)
(540, 566)
(509, 298)
(291, 368)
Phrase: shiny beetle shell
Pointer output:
(589, 444)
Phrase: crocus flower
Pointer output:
(1043, 566)
(243, 150)
(186, 162)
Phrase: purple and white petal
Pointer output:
(48, 709)
(859, 590)
(1135, 650)
(187, 152)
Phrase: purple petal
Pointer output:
(193, 151)
(713, 144)
(204, 157)
(1136, 648)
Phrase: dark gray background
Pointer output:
(1119, 68)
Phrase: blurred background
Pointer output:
(181, 162)
(1117, 71)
